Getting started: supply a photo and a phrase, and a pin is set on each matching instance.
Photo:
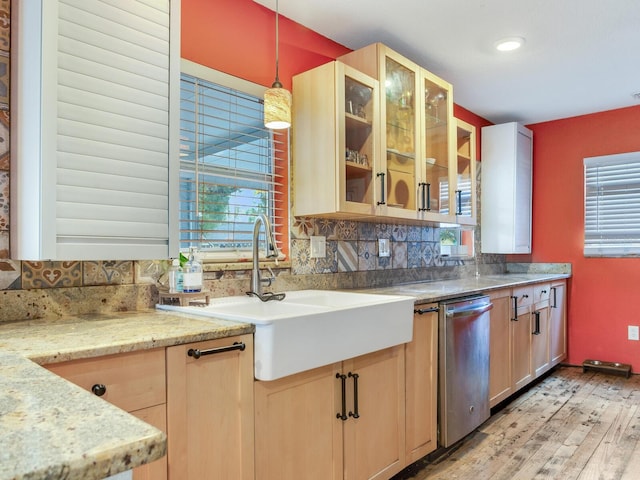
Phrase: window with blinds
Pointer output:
(612, 205)
(231, 170)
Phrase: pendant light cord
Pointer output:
(276, 83)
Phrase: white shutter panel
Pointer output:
(107, 162)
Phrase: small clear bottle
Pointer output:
(192, 274)
(175, 277)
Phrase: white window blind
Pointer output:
(612, 205)
(228, 170)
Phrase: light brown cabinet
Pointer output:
(541, 335)
(335, 142)
(522, 372)
(528, 336)
(500, 383)
(310, 423)
(558, 322)
(418, 135)
(210, 409)
(421, 377)
(380, 151)
(135, 382)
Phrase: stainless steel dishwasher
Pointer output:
(463, 376)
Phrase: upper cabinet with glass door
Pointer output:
(437, 188)
(466, 173)
(335, 142)
(417, 138)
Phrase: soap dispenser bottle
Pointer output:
(192, 274)
(175, 277)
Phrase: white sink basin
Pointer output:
(311, 328)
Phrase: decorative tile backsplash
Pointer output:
(353, 246)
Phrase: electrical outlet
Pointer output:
(633, 332)
(318, 246)
(384, 248)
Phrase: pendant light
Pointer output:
(277, 100)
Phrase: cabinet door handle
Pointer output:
(428, 197)
(555, 298)
(355, 413)
(422, 311)
(536, 331)
(382, 188)
(99, 389)
(423, 202)
(459, 200)
(196, 353)
(343, 380)
(515, 308)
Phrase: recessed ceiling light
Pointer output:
(510, 43)
(636, 95)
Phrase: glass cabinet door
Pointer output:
(360, 110)
(465, 173)
(436, 189)
(400, 136)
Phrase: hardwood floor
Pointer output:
(571, 425)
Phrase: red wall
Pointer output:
(603, 294)
(238, 37)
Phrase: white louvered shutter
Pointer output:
(108, 157)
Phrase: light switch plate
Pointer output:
(318, 246)
(384, 248)
(633, 332)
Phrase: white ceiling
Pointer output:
(580, 56)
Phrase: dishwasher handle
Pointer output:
(467, 311)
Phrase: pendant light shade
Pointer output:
(277, 107)
(277, 100)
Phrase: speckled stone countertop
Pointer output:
(429, 292)
(51, 428)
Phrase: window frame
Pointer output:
(242, 257)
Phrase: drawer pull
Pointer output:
(422, 311)
(99, 389)
(196, 353)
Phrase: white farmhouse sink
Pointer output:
(311, 328)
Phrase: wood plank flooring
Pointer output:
(571, 425)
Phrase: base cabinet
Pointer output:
(558, 322)
(421, 377)
(210, 410)
(345, 420)
(521, 337)
(500, 384)
(134, 382)
(528, 336)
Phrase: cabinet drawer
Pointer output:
(524, 295)
(132, 380)
(541, 292)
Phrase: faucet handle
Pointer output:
(270, 278)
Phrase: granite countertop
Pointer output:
(53, 429)
(429, 292)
